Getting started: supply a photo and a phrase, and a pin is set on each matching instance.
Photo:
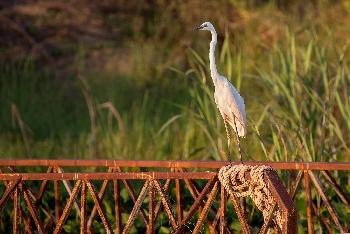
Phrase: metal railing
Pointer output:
(184, 194)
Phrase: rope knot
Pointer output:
(237, 184)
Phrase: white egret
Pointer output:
(228, 100)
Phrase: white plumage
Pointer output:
(228, 100)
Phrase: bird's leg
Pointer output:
(228, 140)
(237, 137)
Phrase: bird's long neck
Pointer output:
(213, 70)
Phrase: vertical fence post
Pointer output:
(15, 211)
(151, 221)
(310, 224)
(222, 210)
(57, 197)
(178, 201)
(118, 221)
(83, 229)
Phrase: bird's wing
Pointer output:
(236, 104)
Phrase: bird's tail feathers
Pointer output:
(241, 129)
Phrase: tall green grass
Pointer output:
(297, 101)
(308, 87)
(296, 92)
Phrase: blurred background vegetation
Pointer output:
(130, 80)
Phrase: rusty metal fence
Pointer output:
(146, 196)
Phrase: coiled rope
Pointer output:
(236, 184)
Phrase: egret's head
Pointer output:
(206, 26)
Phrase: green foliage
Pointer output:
(300, 113)
(157, 101)
(305, 85)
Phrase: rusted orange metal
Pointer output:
(159, 179)
(107, 176)
(172, 164)
(117, 208)
(289, 213)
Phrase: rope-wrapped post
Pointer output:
(264, 187)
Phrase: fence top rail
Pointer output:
(171, 164)
(108, 176)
